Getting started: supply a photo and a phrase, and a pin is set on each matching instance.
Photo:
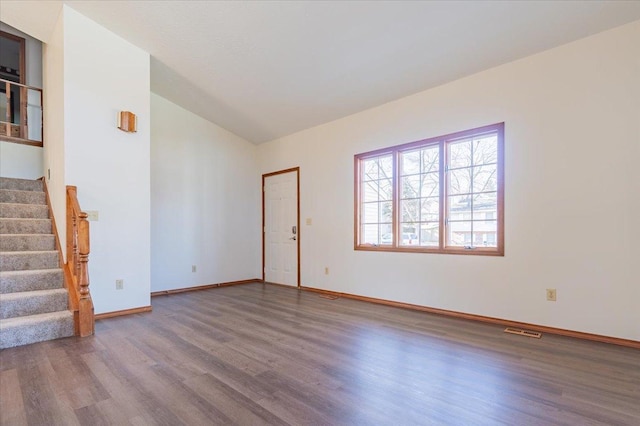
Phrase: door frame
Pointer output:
(22, 59)
(22, 80)
(264, 224)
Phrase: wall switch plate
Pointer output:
(92, 215)
(309, 221)
(551, 294)
(193, 268)
(326, 270)
(119, 284)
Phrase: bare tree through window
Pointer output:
(442, 194)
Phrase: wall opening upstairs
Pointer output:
(21, 95)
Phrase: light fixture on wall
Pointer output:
(127, 121)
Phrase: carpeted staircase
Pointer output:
(33, 300)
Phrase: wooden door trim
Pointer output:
(22, 42)
(22, 80)
(264, 224)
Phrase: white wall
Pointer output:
(572, 195)
(204, 191)
(104, 74)
(23, 161)
(20, 161)
(53, 151)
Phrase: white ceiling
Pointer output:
(265, 69)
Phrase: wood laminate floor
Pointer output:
(261, 354)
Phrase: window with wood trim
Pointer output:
(438, 195)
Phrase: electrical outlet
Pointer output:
(119, 284)
(193, 268)
(326, 270)
(551, 294)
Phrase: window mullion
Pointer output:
(395, 195)
(471, 190)
(443, 195)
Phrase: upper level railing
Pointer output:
(20, 113)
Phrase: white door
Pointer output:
(281, 233)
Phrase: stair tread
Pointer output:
(23, 218)
(5, 297)
(28, 271)
(18, 190)
(24, 235)
(35, 319)
(34, 185)
(23, 205)
(7, 253)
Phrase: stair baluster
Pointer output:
(78, 249)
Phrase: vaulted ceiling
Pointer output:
(265, 69)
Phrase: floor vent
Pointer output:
(328, 296)
(521, 332)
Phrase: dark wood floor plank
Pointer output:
(262, 354)
(13, 412)
(236, 406)
(44, 400)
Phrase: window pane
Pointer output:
(410, 210)
(430, 234)
(370, 191)
(483, 204)
(410, 162)
(460, 154)
(459, 234)
(486, 232)
(430, 185)
(459, 207)
(430, 209)
(370, 234)
(460, 181)
(386, 212)
(410, 186)
(386, 167)
(431, 159)
(386, 190)
(370, 169)
(371, 212)
(477, 238)
(409, 236)
(386, 239)
(485, 178)
(485, 150)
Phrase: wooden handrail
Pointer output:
(21, 85)
(77, 268)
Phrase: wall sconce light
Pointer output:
(127, 121)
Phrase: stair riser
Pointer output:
(23, 332)
(27, 242)
(17, 281)
(20, 261)
(33, 305)
(21, 184)
(22, 197)
(25, 226)
(24, 211)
